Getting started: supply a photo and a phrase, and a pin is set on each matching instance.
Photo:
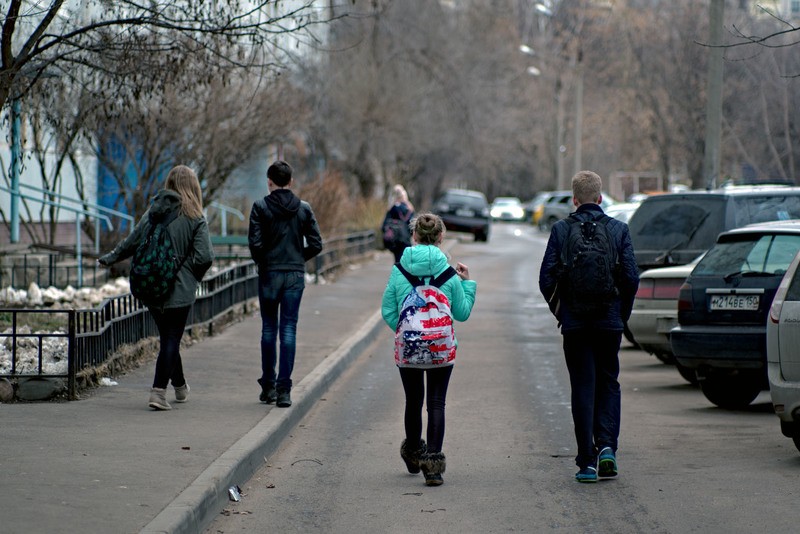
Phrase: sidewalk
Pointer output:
(110, 464)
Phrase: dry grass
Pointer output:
(337, 210)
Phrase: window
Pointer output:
(766, 254)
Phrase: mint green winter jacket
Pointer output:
(425, 261)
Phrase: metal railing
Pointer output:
(19, 270)
(93, 335)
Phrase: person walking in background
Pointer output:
(395, 227)
(589, 277)
(282, 237)
(424, 264)
(180, 206)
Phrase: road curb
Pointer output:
(196, 506)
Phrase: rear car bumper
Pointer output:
(455, 223)
(785, 395)
(651, 328)
(724, 347)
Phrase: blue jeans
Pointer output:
(593, 363)
(279, 295)
(171, 323)
(414, 386)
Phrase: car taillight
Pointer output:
(667, 289)
(777, 301)
(645, 290)
(685, 297)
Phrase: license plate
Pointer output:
(465, 213)
(734, 302)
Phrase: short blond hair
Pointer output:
(587, 187)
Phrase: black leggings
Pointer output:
(171, 323)
(414, 386)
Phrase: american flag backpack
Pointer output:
(425, 334)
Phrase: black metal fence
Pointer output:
(93, 335)
(46, 269)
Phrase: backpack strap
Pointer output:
(438, 281)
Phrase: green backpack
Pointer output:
(155, 264)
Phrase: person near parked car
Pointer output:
(591, 341)
(182, 200)
(283, 235)
(395, 227)
(425, 262)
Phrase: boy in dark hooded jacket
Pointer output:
(591, 342)
(283, 235)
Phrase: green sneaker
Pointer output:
(587, 474)
(607, 463)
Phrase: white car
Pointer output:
(655, 312)
(622, 211)
(783, 352)
(507, 209)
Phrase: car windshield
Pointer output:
(667, 225)
(749, 255)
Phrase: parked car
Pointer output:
(723, 308)
(535, 207)
(674, 228)
(783, 352)
(622, 211)
(655, 313)
(507, 209)
(463, 210)
(559, 205)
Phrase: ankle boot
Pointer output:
(433, 465)
(182, 393)
(411, 455)
(158, 399)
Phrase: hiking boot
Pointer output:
(411, 455)
(158, 399)
(284, 400)
(587, 474)
(182, 393)
(607, 463)
(433, 464)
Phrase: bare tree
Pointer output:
(129, 40)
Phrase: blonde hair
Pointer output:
(586, 187)
(400, 195)
(183, 181)
(428, 228)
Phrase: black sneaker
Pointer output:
(284, 400)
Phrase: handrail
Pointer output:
(225, 210)
(77, 211)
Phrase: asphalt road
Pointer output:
(685, 465)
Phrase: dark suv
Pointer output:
(463, 210)
(723, 308)
(675, 228)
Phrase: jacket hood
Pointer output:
(283, 203)
(164, 203)
(424, 260)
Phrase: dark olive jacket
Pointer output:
(191, 240)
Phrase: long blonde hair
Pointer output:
(183, 181)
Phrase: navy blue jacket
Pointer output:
(627, 281)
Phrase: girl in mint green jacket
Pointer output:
(425, 261)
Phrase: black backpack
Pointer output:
(396, 232)
(155, 264)
(590, 265)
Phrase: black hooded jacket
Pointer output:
(283, 232)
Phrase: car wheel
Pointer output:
(665, 357)
(690, 375)
(796, 438)
(481, 236)
(731, 392)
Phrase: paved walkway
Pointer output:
(108, 463)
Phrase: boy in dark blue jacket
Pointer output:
(591, 339)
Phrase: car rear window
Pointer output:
(677, 223)
(468, 201)
(774, 207)
(749, 255)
